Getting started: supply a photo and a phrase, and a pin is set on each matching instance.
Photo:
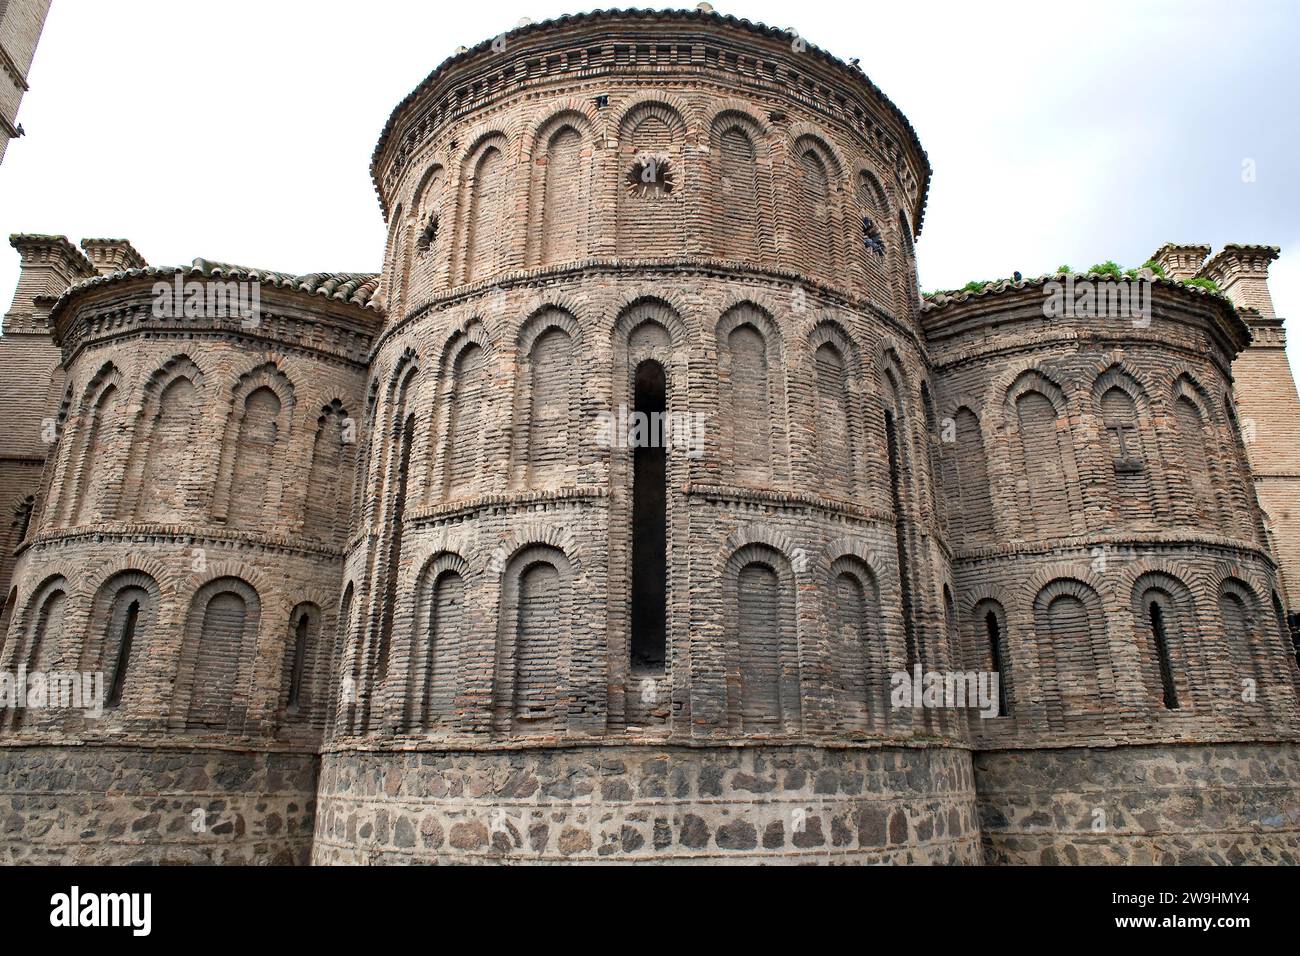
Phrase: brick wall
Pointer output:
(449, 601)
(20, 28)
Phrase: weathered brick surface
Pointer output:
(386, 532)
(20, 27)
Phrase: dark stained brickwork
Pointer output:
(379, 531)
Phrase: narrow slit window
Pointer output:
(649, 522)
(405, 438)
(1161, 640)
(123, 655)
(299, 663)
(900, 529)
(995, 654)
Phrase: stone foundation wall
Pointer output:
(1164, 804)
(132, 805)
(635, 804)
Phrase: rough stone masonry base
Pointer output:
(105, 805)
(1170, 804)
(636, 803)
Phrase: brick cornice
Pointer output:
(176, 535)
(539, 54)
(630, 269)
(1137, 541)
(9, 66)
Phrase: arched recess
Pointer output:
(303, 662)
(560, 189)
(649, 346)
(95, 481)
(1166, 632)
(990, 649)
(1290, 642)
(651, 182)
(873, 251)
(256, 439)
(486, 199)
(1199, 502)
(463, 412)
(361, 501)
(741, 169)
(325, 508)
(435, 660)
(762, 643)
(838, 427)
(1235, 476)
(123, 616)
(1128, 430)
(859, 650)
(900, 476)
(214, 679)
(6, 618)
(1036, 410)
(752, 395)
(931, 438)
(160, 478)
(1074, 662)
(392, 258)
(548, 411)
(401, 408)
(1247, 657)
(424, 258)
(531, 690)
(56, 485)
(910, 289)
(23, 512)
(348, 642)
(966, 480)
(41, 640)
(814, 225)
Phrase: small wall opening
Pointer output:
(1161, 640)
(900, 529)
(650, 523)
(995, 655)
(299, 666)
(123, 655)
(406, 437)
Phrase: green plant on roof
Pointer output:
(1155, 267)
(1108, 268)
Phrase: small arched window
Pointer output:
(23, 516)
(649, 527)
(298, 665)
(894, 450)
(121, 639)
(993, 633)
(1157, 609)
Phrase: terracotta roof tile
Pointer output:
(357, 288)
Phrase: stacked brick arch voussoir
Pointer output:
(605, 523)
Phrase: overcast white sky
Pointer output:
(1058, 132)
